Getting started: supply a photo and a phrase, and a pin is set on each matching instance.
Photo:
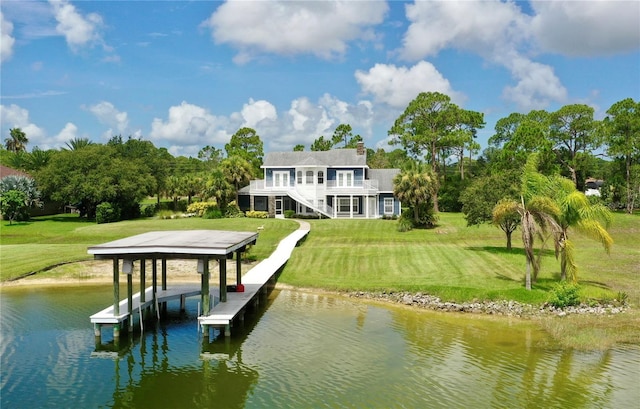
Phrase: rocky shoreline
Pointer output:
(503, 307)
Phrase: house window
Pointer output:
(345, 178)
(344, 205)
(388, 205)
(299, 175)
(309, 180)
(320, 177)
(280, 179)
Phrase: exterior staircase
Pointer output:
(326, 210)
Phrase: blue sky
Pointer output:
(186, 74)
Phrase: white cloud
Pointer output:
(359, 116)
(397, 86)
(255, 112)
(6, 40)
(14, 116)
(497, 31)
(587, 28)
(69, 132)
(109, 115)
(191, 125)
(77, 29)
(481, 27)
(321, 28)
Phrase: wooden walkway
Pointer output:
(255, 282)
(106, 316)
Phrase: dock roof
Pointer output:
(175, 244)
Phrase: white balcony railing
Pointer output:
(369, 186)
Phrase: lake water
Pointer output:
(300, 351)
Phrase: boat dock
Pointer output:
(219, 309)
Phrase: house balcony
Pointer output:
(330, 187)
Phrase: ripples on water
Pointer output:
(305, 350)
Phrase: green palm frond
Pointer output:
(594, 230)
(569, 261)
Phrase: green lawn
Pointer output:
(454, 261)
(48, 241)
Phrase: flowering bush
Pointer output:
(257, 214)
(200, 208)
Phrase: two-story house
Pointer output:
(335, 183)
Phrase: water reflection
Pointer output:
(495, 366)
(298, 350)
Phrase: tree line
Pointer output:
(123, 172)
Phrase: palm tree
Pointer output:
(537, 211)
(237, 172)
(77, 143)
(38, 158)
(173, 189)
(415, 187)
(576, 211)
(219, 188)
(17, 141)
(193, 185)
(537, 216)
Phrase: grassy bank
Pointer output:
(48, 241)
(455, 262)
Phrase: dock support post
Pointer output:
(154, 285)
(164, 274)
(205, 331)
(116, 331)
(143, 280)
(204, 293)
(116, 287)
(130, 298)
(238, 267)
(227, 330)
(97, 330)
(182, 303)
(223, 279)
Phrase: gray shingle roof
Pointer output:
(334, 158)
(384, 177)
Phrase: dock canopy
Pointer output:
(175, 244)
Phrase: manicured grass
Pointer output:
(454, 261)
(48, 241)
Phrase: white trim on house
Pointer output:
(336, 184)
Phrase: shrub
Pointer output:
(149, 210)
(404, 224)
(212, 213)
(288, 214)
(564, 295)
(107, 213)
(200, 208)
(233, 210)
(255, 214)
(166, 214)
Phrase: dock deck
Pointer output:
(254, 281)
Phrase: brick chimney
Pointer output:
(360, 148)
